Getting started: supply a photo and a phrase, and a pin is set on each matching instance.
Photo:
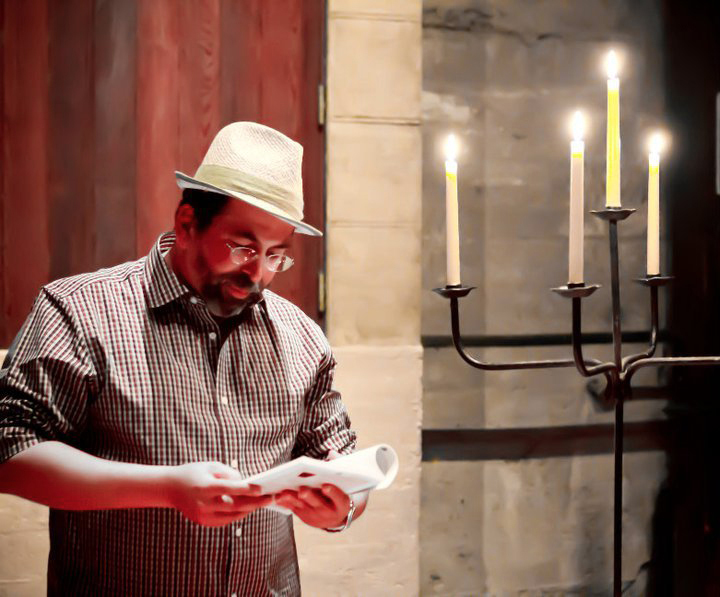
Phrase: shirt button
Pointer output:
(234, 463)
(193, 300)
(233, 595)
(224, 400)
(238, 532)
(212, 335)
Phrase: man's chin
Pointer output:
(232, 303)
(224, 310)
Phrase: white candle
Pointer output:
(577, 200)
(612, 178)
(451, 213)
(653, 223)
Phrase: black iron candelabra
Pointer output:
(618, 373)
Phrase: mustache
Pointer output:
(243, 281)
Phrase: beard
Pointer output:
(228, 294)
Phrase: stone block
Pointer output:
(502, 528)
(23, 562)
(446, 68)
(555, 19)
(457, 396)
(374, 174)
(398, 9)
(18, 515)
(453, 392)
(555, 518)
(366, 59)
(376, 381)
(549, 397)
(373, 285)
(451, 529)
(381, 387)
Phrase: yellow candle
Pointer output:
(612, 179)
(577, 200)
(451, 213)
(653, 223)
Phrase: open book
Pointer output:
(371, 468)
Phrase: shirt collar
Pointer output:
(162, 286)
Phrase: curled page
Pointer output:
(372, 468)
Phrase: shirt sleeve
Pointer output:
(46, 379)
(326, 424)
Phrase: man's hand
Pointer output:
(213, 494)
(324, 508)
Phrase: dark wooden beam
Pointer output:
(505, 340)
(542, 442)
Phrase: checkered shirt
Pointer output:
(127, 364)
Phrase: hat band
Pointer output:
(241, 182)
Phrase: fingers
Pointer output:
(227, 504)
(314, 498)
(232, 488)
(339, 499)
(306, 498)
(222, 471)
(289, 499)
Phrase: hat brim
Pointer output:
(188, 182)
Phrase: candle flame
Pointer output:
(611, 64)
(451, 148)
(656, 143)
(578, 126)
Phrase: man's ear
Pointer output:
(184, 225)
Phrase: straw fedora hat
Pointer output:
(258, 165)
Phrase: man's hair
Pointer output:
(206, 205)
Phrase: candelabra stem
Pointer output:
(615, 285)
(618, 396)
(617, 520)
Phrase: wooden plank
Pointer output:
(240, 63)
(71, 137)
(292, 72)
(313, 135)
(276, 84)
(199, 80)
(281, 65)
(157, 119)
(545, 442)
(4, 340)
(115, 153)
(25, 70)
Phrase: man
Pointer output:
(136, 399)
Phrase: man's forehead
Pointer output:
(241, 218)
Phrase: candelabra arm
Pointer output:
(453, 295)
(580, 362)
(670, 362)
(654, 317)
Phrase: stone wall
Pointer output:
(505, 76)
(24, 545)
(373, 272)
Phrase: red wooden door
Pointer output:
(101, 100)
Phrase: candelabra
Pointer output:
(618, 372)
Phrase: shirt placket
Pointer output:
(232, 438)
(218, 358)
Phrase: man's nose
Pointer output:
(254, 269)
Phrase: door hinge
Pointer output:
(321, 292)
(321, 104)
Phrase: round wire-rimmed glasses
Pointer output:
(274, 262)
